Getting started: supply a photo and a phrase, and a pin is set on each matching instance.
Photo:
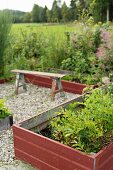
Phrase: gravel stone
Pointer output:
(23, 106)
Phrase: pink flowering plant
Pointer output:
(105, 51)
(90, 54)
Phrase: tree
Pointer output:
(64, 12)
(17, 16)
(83, 3)
(59, 3)
(73, 10)
(103, 10)
(44, 14)
(106, 4)
(5, 25)
(36, 13)
(27, 17)
(49, 15)
(56, 12)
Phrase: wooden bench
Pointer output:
(56, 80)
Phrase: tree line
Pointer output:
(102, 11)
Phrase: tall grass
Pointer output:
(47, 43)
(5, 25)
(38, 46)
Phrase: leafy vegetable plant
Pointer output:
(87, 128)
(4, 111)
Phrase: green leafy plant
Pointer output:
(87, 128)
(4, 111)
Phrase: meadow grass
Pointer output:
(58, 30)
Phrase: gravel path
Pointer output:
(24, 106)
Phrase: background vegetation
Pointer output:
(84, 46)
(62, 13)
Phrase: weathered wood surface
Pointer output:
(40, 121)
(56, 80)
(52, 75)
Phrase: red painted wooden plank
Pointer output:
(38, 78)
(40, 81)
(47, 156)
(104, 159)
(47, 82)
(32, 160)
(2, 81)
(106, 165)
(64, 151)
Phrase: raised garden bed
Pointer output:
(6, 118)
(2, 81)
(24, 106)
(71, 87)
(6, 123)
(45, 153)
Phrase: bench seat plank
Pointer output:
(52, 75)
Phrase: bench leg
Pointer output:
(17, 83)
(60, 88)
(20, 79)
(54, 82)
(23, 82)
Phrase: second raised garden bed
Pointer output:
(70, 87)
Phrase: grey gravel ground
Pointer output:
(24, 106)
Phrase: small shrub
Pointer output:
(4, 111)
(25, 52)
(90, 54)
(105, 50)
(88, 128)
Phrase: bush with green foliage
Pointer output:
(82, 58)
(4, 111)
(91, 54)
(25, 52)
(36, 51)
(87, 128)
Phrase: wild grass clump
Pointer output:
(5, 25)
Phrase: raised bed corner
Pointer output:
(6, 123)
(47, 154)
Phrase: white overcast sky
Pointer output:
(26, 5)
